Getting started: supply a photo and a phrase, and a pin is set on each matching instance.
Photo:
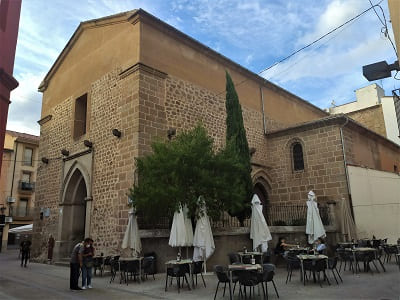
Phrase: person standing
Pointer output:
(25, 251)
(87, 254)
(50, 248)
(75, 264)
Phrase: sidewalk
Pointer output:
(46, 282)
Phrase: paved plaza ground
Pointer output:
(39, 281)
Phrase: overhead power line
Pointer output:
(312, 43)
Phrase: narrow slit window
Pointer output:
(80, 116)
(298, 160)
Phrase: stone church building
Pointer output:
(123, 80)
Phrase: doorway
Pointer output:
(73, 213)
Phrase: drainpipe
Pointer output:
(262, 107)
(15, 160)
(345, 165)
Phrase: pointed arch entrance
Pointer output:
(262, 189)
(73, 220)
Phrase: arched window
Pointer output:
(298, 160)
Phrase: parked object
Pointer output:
(131, 237)
(347, 225)
(314, 228)
(259, 231)
(203, 241)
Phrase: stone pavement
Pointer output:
(46, 282)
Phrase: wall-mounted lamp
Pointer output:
(252, 150)
(65, 152)
(45, 160)
(88, 144)
(380, 70)
(171, 132)
(116, 133)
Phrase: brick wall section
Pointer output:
(368, 150)
(187, 104)
(324, 169)
(371, 117)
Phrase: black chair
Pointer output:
(178, 271)
(130, 268)
(107, 262)
(234, 258)
(115, 268)
(249, 279)
(223, 277)
(149, 266)
(293, 263)
(316, 267)
(98, 264)
(346, 257)
(268, 276)
(198, 269)
(332, 264)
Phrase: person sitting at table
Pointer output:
(281, 246)
(321, 247)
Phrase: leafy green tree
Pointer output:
(236, 140)
(179, 171)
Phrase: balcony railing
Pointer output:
(293, 215)
(275, 214)
(26, 186)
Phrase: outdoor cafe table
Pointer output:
(240, 267)
(365, 249)
(175, 262)
(128, 259)
(312, 257)
(249, 253)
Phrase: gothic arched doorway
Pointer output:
(73, 212)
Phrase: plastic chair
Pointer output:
(198, 269)
(234, 258)
(178, 271)
(293, 263)
(268, 276)
(249, 279)
(148, 266)
(316, 267)
(332, 263)
(223, 277)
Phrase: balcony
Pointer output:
(26, 187)
(22, 213)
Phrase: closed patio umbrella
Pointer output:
(177, 237)
(188, 227)
(131, 237)
(203, 241)
(347, 225)
(259, 231)
(314, 228)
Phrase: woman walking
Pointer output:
(87, 264)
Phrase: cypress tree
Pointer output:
(236, 138)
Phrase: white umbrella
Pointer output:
(314, 228)
(348, 227)
(131, 237)
(188, 227)
(20, 229)
(177, 237)
(259, 231)
(203, 240)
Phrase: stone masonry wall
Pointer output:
(371, 117)
(187, 104)
(324, 168)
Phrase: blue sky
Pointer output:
(253, 33)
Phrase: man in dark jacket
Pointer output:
(75, 264)
(25, 251)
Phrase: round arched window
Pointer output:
(298, 160)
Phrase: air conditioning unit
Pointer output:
(10, 199)
(8, 219)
